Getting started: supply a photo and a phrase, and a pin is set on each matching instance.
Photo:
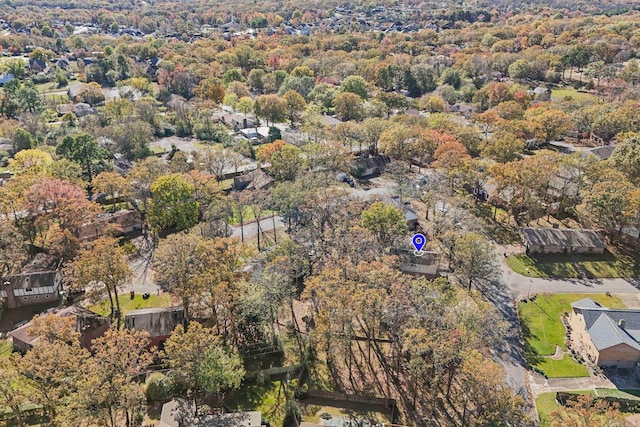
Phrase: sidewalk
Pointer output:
(539, 384)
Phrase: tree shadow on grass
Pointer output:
(530, 353)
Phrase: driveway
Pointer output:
(515, 286)
(540, 384)
(251, 229)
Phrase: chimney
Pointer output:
(622, 323)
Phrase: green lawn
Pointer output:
(622, 394)
(247, 215)
(268, 398)
(542, 330)
(574, 266)
(5, 348)
(546, 403)
(127, 304)
(563, 368)
(561, 93)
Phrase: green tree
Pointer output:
(474, 260)
(393, 101)
(355, 84)
(294, 103)
(386, 222)
(29, 98)
(348, 106)
(245, 105)
(286, 162)
(452, 77)
(84, 150)
(101, 267)
(17, 68)
(173, 203)
(626, 157)
(607, 203)
(12, 395)
(23, 140)
(199, 363)
(270, 107)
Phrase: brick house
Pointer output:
(89, 324)
(562, 240)
(605, 336)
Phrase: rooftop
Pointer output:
(84, 319)
(562, 237)
(609, 327)
(179, 413)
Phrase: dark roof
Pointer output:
(256, 179)
(562, 237)
(371, 162)
(85, 319)
(609, 327)
(158, 322)
(39, 279)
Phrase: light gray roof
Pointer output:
(585, 303)
(179, 413)
(605, 333)
(562, 237)
(603, 152)
(603, 324)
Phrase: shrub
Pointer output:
(158, 387)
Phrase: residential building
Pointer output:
(605, 336)
(181, 413)
(26, 289)
(254, 180)
(562, 240)
(89, 324)
(124, 221)
(158, 322)
(370, 165)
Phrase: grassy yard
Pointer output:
(127, 304)
(542, 330)
(268, 398)
(247, 215)
(561, 93)
(619, 393)
(5, 348)
(546, 403)
(563, 368)
(495, 219)
(574, 266)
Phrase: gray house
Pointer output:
(158, 322)
(31, 288)
(367, 166)
(562, 240)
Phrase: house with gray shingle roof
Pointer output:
(607, 337)
(562, 240)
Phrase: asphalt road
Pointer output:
(513, 286)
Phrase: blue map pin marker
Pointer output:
(419, 241)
